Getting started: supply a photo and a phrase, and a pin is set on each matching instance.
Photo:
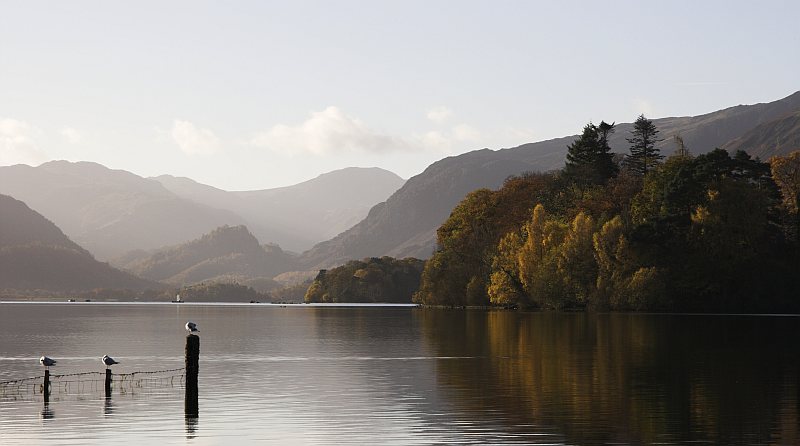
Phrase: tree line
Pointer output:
(376, 279)
(713, 232)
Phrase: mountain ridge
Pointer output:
(299, 215)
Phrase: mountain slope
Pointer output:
(225, 254)
(405, 225)
(777, 137)
(36, 255)
(110, 211)
(296, 217)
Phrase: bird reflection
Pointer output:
(191, 426)
(108, 406)
(47, 412)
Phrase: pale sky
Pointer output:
(251, 95)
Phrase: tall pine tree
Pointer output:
(644, 154)
(589, 158)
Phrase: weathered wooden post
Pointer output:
(46, 387)
(108, 383)
(192, 368)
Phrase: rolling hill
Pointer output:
(36, 256)
(226, 254)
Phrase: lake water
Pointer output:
(400, 376)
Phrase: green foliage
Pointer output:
(644, 156)
(371, 280)
(589, 158)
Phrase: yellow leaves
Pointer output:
(502, 290)
(701, 215)
(786, 174)
(576, 263)
(610, 251)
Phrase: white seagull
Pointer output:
(47, 362)
(108, 361)
(191, 327)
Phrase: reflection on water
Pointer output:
(191, 426)
(316, 375)
(108, 406)
(47, 412)
(638, 379)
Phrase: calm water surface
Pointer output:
(404, 376)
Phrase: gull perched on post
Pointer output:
(191, 327)
(108, 361)
(47, 362)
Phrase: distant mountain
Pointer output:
(110, 211)
(226, 254)
(777, 137)
(296, 217)
(36, 256)
(405, 225)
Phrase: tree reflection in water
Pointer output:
(625, 377)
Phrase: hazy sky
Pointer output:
(246, 95)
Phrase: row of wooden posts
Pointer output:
(192, 368)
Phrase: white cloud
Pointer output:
(439, 114)
(332, 131)
(18, 145)
(193, 140)
(324, 132)
(71, 135)
(459, 137)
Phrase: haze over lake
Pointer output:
(378, 375)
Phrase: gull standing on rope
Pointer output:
(47, 362)
(108, 361)
(191, 327)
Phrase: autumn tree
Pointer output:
(680, 146)
(504, 285)
(576, 262)
(786, 174)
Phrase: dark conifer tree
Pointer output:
(644, 155)
(589, 159)
(605, 159)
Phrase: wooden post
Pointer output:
(108, 383)
(192, 369)
(46, 385)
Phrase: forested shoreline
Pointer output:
(711, 232)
